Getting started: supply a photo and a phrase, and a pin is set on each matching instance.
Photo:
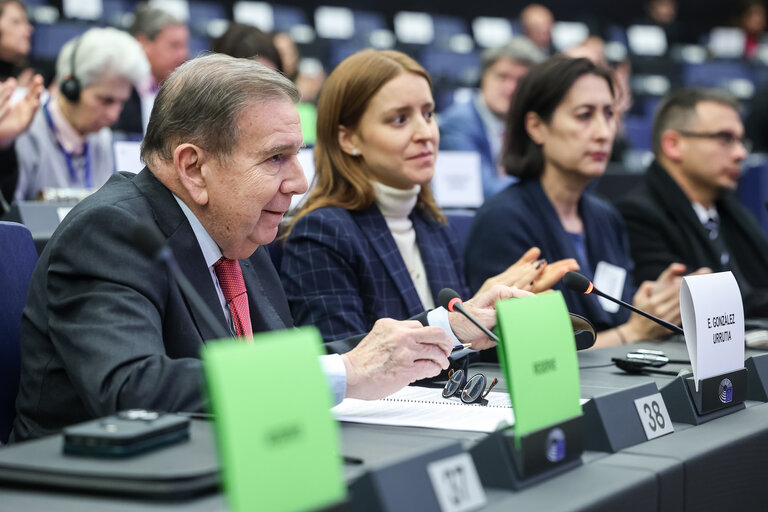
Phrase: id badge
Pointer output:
(609, 278)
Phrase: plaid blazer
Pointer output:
(342, 271)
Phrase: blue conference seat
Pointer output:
(16, 264)
(460, 221)
(715, 73)
(47, 40)
(638, 131)
(753, 190)
(286, 17)
(453, 67)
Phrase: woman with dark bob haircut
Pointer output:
(558, 139)
(370, 241)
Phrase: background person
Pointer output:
(685, 209)
(69, 143)
(165, 41)
(559, 137)
(479, 124)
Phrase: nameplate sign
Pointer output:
(538, 356)
(713, 321)
(274, 429)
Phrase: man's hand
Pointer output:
(394, 354)
(482, 307)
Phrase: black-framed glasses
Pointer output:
(726, 139)
(469, 391)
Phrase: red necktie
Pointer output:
(230, 278)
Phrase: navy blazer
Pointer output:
(462, 129)
(341, 270)
(521, 217)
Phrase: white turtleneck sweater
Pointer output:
(396, 205)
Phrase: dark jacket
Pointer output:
(663, 228)
(521, 217)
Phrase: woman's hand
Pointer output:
(553, 272)
(530, 273)
(17, 117)
(522, 274)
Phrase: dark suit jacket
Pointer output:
(462, 129)
(663, 228)
(105, 329)
(341, 270)
(521, 217)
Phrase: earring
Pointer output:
(355, 152)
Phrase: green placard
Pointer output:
(538, 356)
(278, 443)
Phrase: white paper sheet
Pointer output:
(415, 406)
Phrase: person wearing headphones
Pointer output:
(69, 143)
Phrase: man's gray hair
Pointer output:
(520, 49)
(101, 53)
(677, 110)
(150, 21)
(201, 103)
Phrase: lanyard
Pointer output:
(68, 155)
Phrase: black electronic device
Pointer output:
(580, 283)
(125, 434)
(451, 301)
(646, 361)
(70, 87)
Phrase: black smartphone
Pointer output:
(125, 433)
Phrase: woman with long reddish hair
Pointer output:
(370, 241)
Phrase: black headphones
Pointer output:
(70, 87)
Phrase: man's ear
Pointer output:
(188, 161)
(672, 145)
(349, 141)
(535, 127)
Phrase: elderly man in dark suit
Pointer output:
(686, 210)
(106, 329)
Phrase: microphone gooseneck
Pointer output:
(451, 301)
(148, 239)
(580, 283)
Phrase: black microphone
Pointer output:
(580, 283)
(451, 301)
(148, 239)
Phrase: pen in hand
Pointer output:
(461, 347)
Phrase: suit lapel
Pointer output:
(266, 298)
(484, 140)
(181, 239)
(662, 184)
(374, 227)
(438, 262)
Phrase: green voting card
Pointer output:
(278, 443)
(538, 357)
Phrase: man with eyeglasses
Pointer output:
(686, 209)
